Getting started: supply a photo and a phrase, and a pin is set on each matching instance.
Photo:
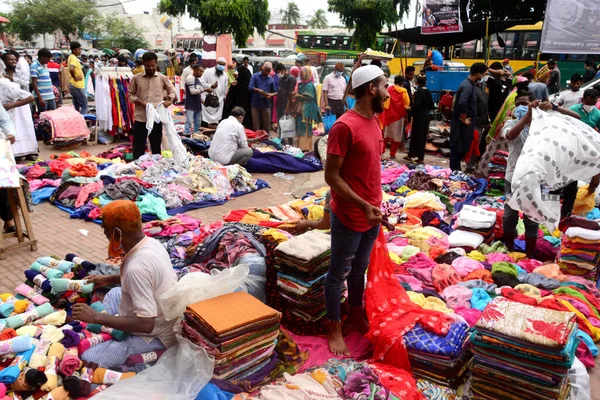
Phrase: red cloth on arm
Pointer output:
(358, 140)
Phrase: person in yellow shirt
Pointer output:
(139, 67)
(76, 82)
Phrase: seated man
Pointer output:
(146, 273)
(229, 145)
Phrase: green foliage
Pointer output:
(368, 17)
(30, 18)
(319, 20)
(514, 9)
(238, 17)
(291, 15)
(114, 31)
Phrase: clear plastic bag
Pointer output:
(580, 381)
(197, 286)
(181, 372)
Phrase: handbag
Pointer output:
(287, 127)
(211, 100)
(328, 120)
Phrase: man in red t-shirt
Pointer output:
(354, 174)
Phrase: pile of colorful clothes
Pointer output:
(302, 263)
(441, 359)
(497, 173)
(475, 221)
(523, 352)
(238, 330)
(580, 252)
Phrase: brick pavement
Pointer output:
(58, 235)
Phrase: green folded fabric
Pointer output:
(505, 267)
(63, 285)
(497, 247)
(19, 320)
(97, 328)
(50, 273)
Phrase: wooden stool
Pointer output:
(18, 206)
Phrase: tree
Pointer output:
(515, 9)
(291, 15)
(238, 17)
(368, 17)
(114, 31)
(319, 20)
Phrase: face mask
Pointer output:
(220, 67)
(115, 248)
(520, 111)
(588, 109)
(338, 73)
(281, 75)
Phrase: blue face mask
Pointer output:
(520, 111)
(220, 67)
(338, 73)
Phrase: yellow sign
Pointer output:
(166, 21)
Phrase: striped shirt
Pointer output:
(44, 83)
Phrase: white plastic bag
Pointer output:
(580, 381)
(180, 374)
(197, 286)
(287, 127)
(180, 154)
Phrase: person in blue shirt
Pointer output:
(262, 88)
(7, 132)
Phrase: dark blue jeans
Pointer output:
(79, 99)
(350, 255)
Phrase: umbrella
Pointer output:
(124, 51)
(3, 20)
(109, 52)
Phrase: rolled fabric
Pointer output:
(92, 341)
(8, 333)
(63, 285)
(20, 305)
(53, 334)
(107, 376)
(71, 338)
(48, 272)
(145, 358)
(88, 266)
(57, 318)
(2, 324)
(70, 362)
(61, 265)
(38, 358)
(85, 378)
(72, 385)
(31, 331)
(6, 309)
(10, 374)
(58, 393)
(96, 328)
(38, 312)
(39, 279)
(15, 345)
(31, 294)
(51, 374)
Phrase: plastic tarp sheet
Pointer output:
(274, 161)
(558, 151)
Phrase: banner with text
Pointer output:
(440, 16)
(571, 27)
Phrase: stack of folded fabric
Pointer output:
(238, 330)
(302, 264)
(522, 351)
(440, 359)
(497, 173)
(580, 252)
(477, 220)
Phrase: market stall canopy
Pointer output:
(3, 20)
(108, 52)
(124, 51)
(471, 31)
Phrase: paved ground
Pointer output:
(58, 235)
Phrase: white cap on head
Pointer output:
(365, 74)
(222, 59)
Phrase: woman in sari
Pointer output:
(392, 118)
(310, 114)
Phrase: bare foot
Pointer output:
(337, 345)
(357, 320)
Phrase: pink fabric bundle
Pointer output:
(584, 354)
(465, 265)
(66, 123)
(414, 283)
(92, 341)
(457, 296)
(86, 191)
(498, 257)
(419, 261)
(471, 315)
(529, 265)
(31, 294)
(70, 361)
(40, 183)
(444, 275)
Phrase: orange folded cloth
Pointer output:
(226, 313)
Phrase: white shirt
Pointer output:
(146, 274)
(334, 86)
(229, 136)
(570, 98)
(187, 71)
(315, 75)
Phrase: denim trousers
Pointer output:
(193, 121)
(79, 99)
(350, 255)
